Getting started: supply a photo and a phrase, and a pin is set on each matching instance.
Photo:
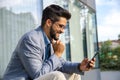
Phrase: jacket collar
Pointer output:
(46, 39)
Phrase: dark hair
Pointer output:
(54, 12)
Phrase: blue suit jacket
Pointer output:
(28, 59)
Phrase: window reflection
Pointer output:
(16, 18)
(22, 6)
(83, 24)
(88, 27)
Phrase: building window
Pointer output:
(16, 18)
(88, 26)
(83, 34)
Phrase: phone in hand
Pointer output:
(96, 53)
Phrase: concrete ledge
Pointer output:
(110, 75)
(92, 75)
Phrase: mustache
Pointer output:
(59, 32)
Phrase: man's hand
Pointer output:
(58, 47)
(84, 64)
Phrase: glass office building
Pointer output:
(20, 16)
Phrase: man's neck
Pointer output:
(47, 32)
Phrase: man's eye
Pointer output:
(62, 26)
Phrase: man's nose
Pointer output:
(62, 30)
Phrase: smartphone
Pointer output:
(96, 53)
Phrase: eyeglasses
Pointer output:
(61, 26)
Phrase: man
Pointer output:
(38, 53)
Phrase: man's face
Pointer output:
(57, 28)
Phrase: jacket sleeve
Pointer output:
(31, 55)
(70, 67)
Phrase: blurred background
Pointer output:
(108, 22)
(94, 26)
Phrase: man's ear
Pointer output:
(48, 22)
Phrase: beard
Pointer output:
(53, 34)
